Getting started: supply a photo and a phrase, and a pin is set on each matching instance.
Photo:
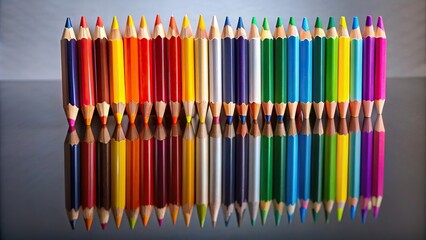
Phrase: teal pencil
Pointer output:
(355, 92)
(354, 165)
(317, 167)
(279, 169)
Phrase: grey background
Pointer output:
(30, 29)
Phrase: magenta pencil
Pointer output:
(380, 67)
(368, 39)
(378, 165)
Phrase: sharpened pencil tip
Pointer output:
(292, 21)
(375, 212)
(227, 23)
(157, 20)
(99, 22)
(254, 21)
(268, 118)
(290, 218)
(264, 216)
(68, 23)
(277, 218)
(355, 23)
(369, 21)
(172, 23)
(185, 22)
(114, 23)
(331, 23)
(213, 224)
(132, 223)
(201, 24)
(129, 22)
(352, 212)
(83, 22)
(343, 22)
(315, 215)
(318, 23)
(142, 23)
(103, 226)
(280, 118)
(302, 214)
(327, 216)
(253, 222)
(243, 119)
(88, 223)
(380, 23)
(265, 24)
(305, 24)
(227, 222)
(229, 119)
(188, 119)
(159, 120)
(72, 223)
(240, 23)
(339, 214)
(279, 22)
(71, 122)
(363, 215)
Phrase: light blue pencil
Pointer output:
(355, 92)
(305, 140)
(291, 170)
(293, 67)
(305, 73)
(354, 165)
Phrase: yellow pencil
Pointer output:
(187, 53)
(188, 173)
(342, 158)
(343, 69)
(116, 71)
(118, 174)
(201, 70)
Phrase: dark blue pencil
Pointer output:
(72, 175)
(228, 70)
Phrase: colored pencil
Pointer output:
(118, 174)
(70, 90)
(215, 70)
(131, 69)
(228, 70)
(146, 84)
(85, 71)
(133, 179)
(160, 68)
(255, 91)
(147, 173)
(254, 171)
(72, 175)
(279, 170)
(103, 176)
(354, 165)
(317, 168)
(228, 172)
(355, 94)
(318, 68)
(241, 171)
(368, 44)
(329, 187)
(342, 155)
(202, 172)
(291, 170)
(293, 67)
(280, 74)
(241, 70)
(187, 63)
(304, 180)
(266, 167)
(174, 68)
(366, 167)
(100, 53)
(88, 177)
(215, 180)
(175, 180)
(378, 165)
(201, 70)
(267, 70)
(343, 70)
(160, 173)
(305, 63)
(188, 173)
(331, 71)
(116, 71)
(380, 66)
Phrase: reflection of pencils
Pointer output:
(85, 67)
(174, 68)
(72, 175)
(318, 68)
(255, 90)
(241, 70)
(100, 51)
(241, 171)
(159, 68)
(187, 56)
(188, 175)
(147, 173)
(354, 165)
(266, 171)
(267, 70)
(279, 170)
(175, 179)
(228, 70)
(215, 70)
(305, 142)
(132, 175)
(254, 172)
(293, 67)
(160, 173)
(343, 68)
(201, 172)
(292, 170)
(329, 188)
(380, 69)
(146, 84)
(368, 41)
(342, 167)
(378, 165)
(103, 176)
(317, 167)
(70, 91)
(228, 171)
(88, 177)
(366, 167)
(116, 71)
(355, 95)
(215, 181)
(305, 69)
(131, 69)
(280, 74)
(201, 70)
(331, 59)
(118, 174)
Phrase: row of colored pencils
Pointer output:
(222, 167)
(139, 70)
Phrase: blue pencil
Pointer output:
(291, 171)
(305, 140)
(305, 90)
(293, 67)
(72, 175)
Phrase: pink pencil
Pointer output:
(378, 165)
(380, 71)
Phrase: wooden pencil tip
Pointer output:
(68, 23)
(157, 20)
(369, 21)
(130, 21)
(83, 22)
(99, 22)
(114, 24)
(355, 23)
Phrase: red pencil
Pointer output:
(160, 68)
(132, 175)
(146, 90)
(85, 70)
(175, 171)
(160, 173)
(173, 51)
(147, 173)
(88, 177)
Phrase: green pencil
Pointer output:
(329, 190)
(279, 169)
(266, 154)
(331, 62)
(317, 167)
(267, 70)
(318, 68)
(280, 69)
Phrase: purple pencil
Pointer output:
(366, 167)
(368, 38)
(241, 70)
